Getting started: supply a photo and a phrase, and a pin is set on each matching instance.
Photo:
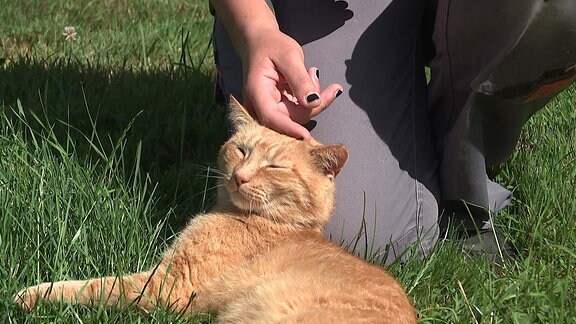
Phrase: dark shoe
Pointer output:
(469, 225)
(487, 241)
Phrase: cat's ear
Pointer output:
(330, 158)
(237, 114)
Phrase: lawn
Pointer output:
(106, 143)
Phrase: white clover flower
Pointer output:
(70, 33)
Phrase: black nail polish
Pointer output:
(318, 73)
(338, 93)
(312, 97)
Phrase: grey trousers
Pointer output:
(419, 150)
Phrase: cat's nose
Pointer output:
(240, 179)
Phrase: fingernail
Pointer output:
(312, 97)
(317, 73)
(338, 93)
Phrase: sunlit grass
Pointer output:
(105, 140)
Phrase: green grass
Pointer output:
(105, 141)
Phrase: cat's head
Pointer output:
(276, 176)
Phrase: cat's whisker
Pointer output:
(266, 210)
(217, 175)
(214, 177)
(211, 172)
(250, 205)
(204, 167)
(214, 187)
(214, 169)
(220, 184)
(273, 212)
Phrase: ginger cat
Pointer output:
(259, 255)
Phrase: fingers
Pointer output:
(303, 115)
(330, 93)
(272, 116)
(327, 96)
(277, 109)
(285, 95)
(285, 124)
(301, 82)
(314, 75)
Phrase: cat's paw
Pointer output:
(29, 296)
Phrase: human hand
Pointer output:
(278, 88)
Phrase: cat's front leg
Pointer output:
(29, 296)
(49, 291)
(145, 290)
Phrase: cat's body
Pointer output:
(259, 255)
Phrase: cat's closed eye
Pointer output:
(277, 166)
(241, 150)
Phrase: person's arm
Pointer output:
(277, 85)
(244, 19)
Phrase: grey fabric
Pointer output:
(387, 193)
(485, 85)
(408, 154)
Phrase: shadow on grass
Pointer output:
(175, 120)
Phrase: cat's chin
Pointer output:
(240, 202)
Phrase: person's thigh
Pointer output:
(386, 195)
(496, 64)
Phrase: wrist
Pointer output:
(246, 21)
(252, 40)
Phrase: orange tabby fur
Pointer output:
(259, 255)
